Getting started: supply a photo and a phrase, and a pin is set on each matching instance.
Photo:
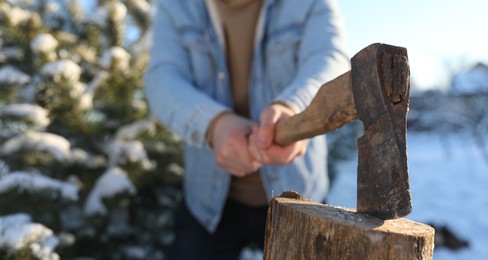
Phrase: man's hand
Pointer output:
(230, 142)
(261, 142)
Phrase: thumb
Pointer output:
(265, 137)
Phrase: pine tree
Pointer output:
(84, 170)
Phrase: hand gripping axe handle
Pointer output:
(376, 91)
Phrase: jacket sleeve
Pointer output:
(322, 55)
(168, 83)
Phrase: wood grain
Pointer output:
(300, 229)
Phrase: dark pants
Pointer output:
(239, 227)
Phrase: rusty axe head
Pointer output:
(380, 78)
(375, 91)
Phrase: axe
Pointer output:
(376, 91)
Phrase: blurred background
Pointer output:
(448, 117)
(86, 173)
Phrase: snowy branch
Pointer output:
(44, 43)
(115, 58)
(55, 145)
(62, 70)
(101, 16)
(12, 15)
(18, 232)
(121, 152)
(11, 76)
(113, 182)
(28, 112)
(34, 183)
(133, 130)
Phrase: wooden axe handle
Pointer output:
(332, 107)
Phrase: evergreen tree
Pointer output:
(84, 170)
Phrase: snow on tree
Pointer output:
(55, 145)
(20, 234)
(11, 76)
(23, 182)
(113, 181)
(85, 171)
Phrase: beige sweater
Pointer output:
(239, 19)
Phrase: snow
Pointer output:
(113, 182)
(10, 75)
(14, 15)
(18, 232)
(448, 179)
(56, 145)
(44, 43)
(80, 156)
(115, 57)
(122, 152)
(116, 9)
(62, 70)
(33, 113)
(37, 183)
(141, 5)
(78, 90)
(86, 101)
(124, 149)
(133, 130)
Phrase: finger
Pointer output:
(231, 160)
(303, 148)
(253, 156)
(243, 170)
(280, 155)
(243, 161)
(253, 149)
(239, 169)
(231, 167)
(267, 128)
(276, 154)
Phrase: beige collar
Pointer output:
(237, 3)
(217, 23)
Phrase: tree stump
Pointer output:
(301, 229)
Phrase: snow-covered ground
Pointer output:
(449, 184)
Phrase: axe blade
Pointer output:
(381, 86)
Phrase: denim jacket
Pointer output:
(299, 46)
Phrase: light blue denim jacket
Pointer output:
(299, 46)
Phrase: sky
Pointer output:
(441, 36)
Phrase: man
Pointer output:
(222, 73)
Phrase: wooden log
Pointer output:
(301, 229)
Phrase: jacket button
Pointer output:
(221, 75)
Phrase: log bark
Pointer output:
(301, 229)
